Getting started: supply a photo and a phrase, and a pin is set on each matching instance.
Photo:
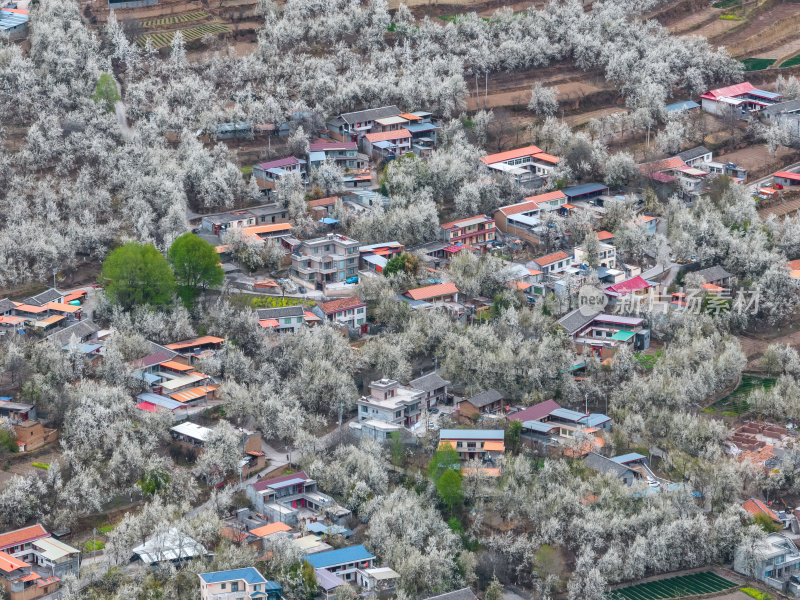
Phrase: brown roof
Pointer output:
(662, 165)
(551, 258)
(206, 339)
(329, 201)
(341, 304)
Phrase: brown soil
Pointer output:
(758, 160)
(754, 343)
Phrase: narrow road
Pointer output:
(754, 185)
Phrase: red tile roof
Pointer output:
(535, 412)
(511, 154)
(432, 291)
(605, 235)
(388, 136)
(262, 485)
(668, 164)
(26, 534)
(548, 158)
(788, 175)
(543, 261)
(206, 339)
(8, 563)
(532, 203)
(629, 285)
(729, 92)
(330, 201)
(754, 507)
(340, 304)
(793, 265)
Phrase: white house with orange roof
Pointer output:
(524, 219)
(383, 144)
(528, 165)
(351, 311)
(439, 292)
(555, 262)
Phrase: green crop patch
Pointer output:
(673, 587)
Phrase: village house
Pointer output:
(271, 531)
(322, 207)
(387, 144)
(168, 546)
(604, 466)
(601, 334)
(193, 437)
(553, 263)
(390, 402)
(32, 563)
(352, 126)
(474, 444)
(786, 178)
(488, 402)
(524, 219)
(344, 562)
(756, 507)
(607, 255)
(475, 231)
(321, 261)
(291, 499)
(282, 318)
(695, 157)
(254, 215)
(431, 294)
(248, 582)
(547, 425)
(378, 580)
(773, 561)
(344, 154)
(529, 166)
(351, 312)
(434, 388)
(268, 174)
(32, 435)
(462, 594)
(631, 292)
(715, 279)
(375, 256)
(742, 97)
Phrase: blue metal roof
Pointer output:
(765, 94)
(567, 414)
(539, 427)
(10, 20)
(683, 105)
(84, 348)
(421, 127)
(341, 556)
(595, 419)
(471, 434)
(585, 188)
(328, 220)
(159, 400)
(626, 458)
(249, 574)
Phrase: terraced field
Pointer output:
(175, 20)
(162, 39)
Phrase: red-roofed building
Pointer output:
(281, 499)
(537, 412)
(440, 292)
(786, 178)
(743, 96)
(604, 235)
(523, 218)
(527, 165)
(267, 174)
(755, 507)
(386, 143)
(344, 154)
(474, 231)
(351, 312)
(636, 285)
(553, 263)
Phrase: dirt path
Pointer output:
(581, 118)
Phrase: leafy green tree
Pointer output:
(444, 459)
(396, 449)
(513, 435)
(449, 488)
(405, 262)
(495, 590)
(196, 266)
(136, 274)
(8, 441)
(105, 92)
(766, 523)
(154, 481)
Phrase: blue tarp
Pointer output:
(328, 221)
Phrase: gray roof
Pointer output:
(280, 312)
(370, 114)
(572, 322)
(774, 109)
(462, 594)
(429, 383)
(266, 209)
(49, 295)
(712, 274)
(80, 330)
(485, 398)
(604, 465)
(6, 305)
(693, 153)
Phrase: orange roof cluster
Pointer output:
(30, 308)
(532, 203)
(26, 534)
(268, 323)
(8, 563)
(511, 155)
(329, 201)
(387, 136)
(754, 507)
(61, 307)
(341, 304)
(271, 228)
(433, 291)
(548, 158)
(200, 341)
(176, 366)
(193, 394)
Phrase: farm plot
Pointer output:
(176, 19)
(674, 587)
(159, 40)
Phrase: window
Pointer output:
(299, 319)
(257, 587)
(327, 247)
(364, 409)
(459, 444)
(235, 586)
(223, 585)
(287, 321)
(397, 414)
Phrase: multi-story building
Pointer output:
(267, 174)
(474, 444)
(606, 255)
(387, 143)
(474, 231)
(553, 263)
(390, 402)
(32, 563)
(344, 154)
(344, 562)
(351, 311)
(528, 166)
(434, 387)
(238, 584)
(325, 260)
(291, 498)
(193, 437)
(774, 560)
(524, 219)
(352, 126)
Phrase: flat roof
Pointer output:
(471, 434)
(192, 430)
